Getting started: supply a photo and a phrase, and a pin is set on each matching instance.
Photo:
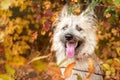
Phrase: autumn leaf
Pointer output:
(118, 51)
(108, 15)
(10, 70)
(34, 37)
(54, 71)
(53, 68)
(5, 4)
(116, 62)
(68, 70)
(5, 77)
(39, 65)
(47, 4)
(91, 68)
(43, 33)
(1, 36)
(105, 66)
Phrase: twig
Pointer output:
(38, 58)
(85, 71)
(101, 5)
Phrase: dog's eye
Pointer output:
(78, 28)
(65, 27)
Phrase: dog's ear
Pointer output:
(64, 11)
(89, 16)
(89, 12)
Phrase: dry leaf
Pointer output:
(34, 37)
(91, 68)
(108, 15)
(53, 67)
(54, 71)
(43, 33)
(68, 70)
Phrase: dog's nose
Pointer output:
(68, 36)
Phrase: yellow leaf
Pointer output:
(112, 70)
(39, 65)
(5, 4)
(17, 61)
(1, 36)
(118, 51)
(109, 61)
(106, 66)
(107, 73)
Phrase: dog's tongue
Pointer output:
(70, 50)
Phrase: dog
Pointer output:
(74, 39)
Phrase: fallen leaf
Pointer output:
(68, 70)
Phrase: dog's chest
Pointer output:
(81, 69)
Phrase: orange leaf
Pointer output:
(53, 68)
(91, 68)
(34, 37)
(108, 15)
(68, 70)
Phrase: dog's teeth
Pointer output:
(67, 44)
(76, 44)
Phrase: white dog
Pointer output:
(75, 39)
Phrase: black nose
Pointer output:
(68, 36)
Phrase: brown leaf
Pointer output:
(68, 70)
(53, 68)
(54, 71)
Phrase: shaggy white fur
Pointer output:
(87, 23)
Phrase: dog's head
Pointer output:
(74, 35)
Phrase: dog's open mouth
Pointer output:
(71, 47)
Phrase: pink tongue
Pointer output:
(70, 50)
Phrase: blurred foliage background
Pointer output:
(26, 36)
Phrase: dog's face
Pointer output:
(73, 33)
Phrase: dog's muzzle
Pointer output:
(71, 44)
(68, 37)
